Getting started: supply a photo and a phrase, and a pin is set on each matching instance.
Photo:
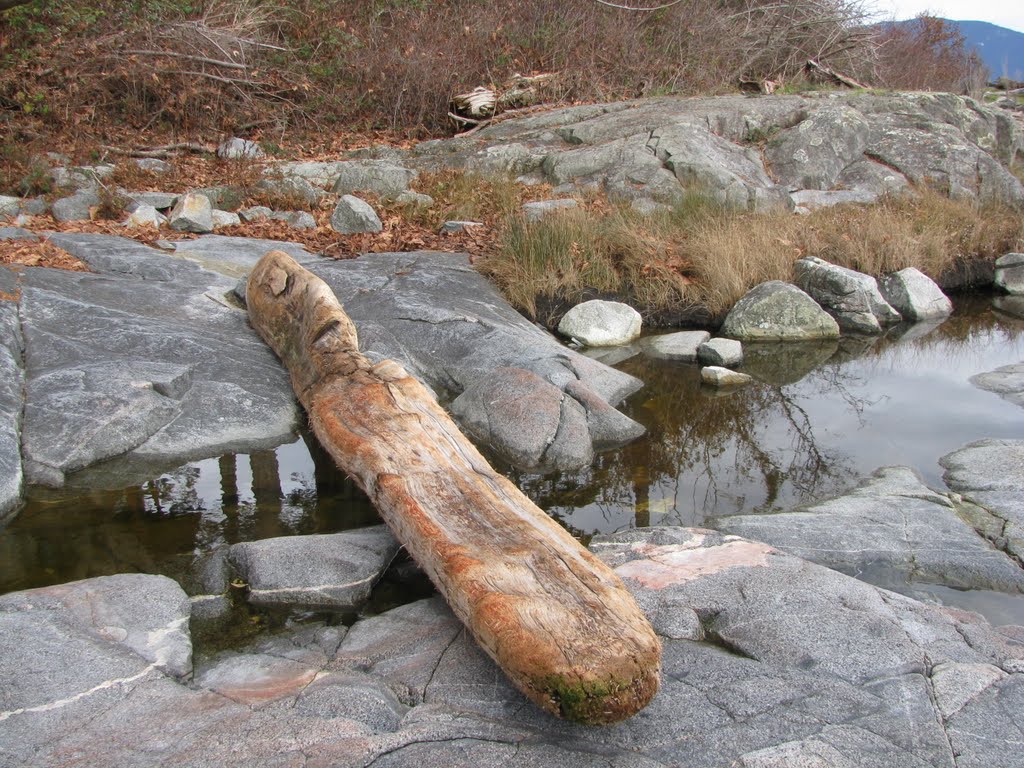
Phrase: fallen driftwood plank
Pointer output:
(554, 618)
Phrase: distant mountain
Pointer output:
(1000, 48)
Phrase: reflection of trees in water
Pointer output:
(707, 452)
(164, 524)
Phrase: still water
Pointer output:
(820, 417)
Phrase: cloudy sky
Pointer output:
(1005, 13)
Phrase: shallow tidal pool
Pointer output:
(819, 418)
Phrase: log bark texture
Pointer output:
(555, 618)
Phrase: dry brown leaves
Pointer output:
(39, 253)
(397, 235)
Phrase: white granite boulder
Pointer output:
(915, 295)
(598, 323)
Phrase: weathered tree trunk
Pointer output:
(554, 617)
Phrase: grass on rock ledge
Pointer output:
(697, 259)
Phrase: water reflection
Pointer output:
(820, 417)
(165, 525)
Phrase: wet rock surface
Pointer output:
(768, 660)
(150, 358)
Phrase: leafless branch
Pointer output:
(190, 57)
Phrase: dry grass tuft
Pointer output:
(701, 255)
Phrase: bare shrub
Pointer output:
(927, 53)
(214, 68)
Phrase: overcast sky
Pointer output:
(1005, 13)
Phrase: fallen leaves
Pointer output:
(40, 253)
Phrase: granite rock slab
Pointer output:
(12, 380)
(146, 356)
(891, 527)
(450, 328)
(768, 660)
(990, 475)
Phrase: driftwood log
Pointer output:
(555, 618)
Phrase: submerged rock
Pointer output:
(778, 311)
(681, 346)
(717, 376)
(1007, 382)
(334, 571)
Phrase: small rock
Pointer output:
(335, 570)
(415, 198)
(227, 198)
(534, 212)
(598, 323)
(646, 207)
(256, 213)
(84, 177)
(236, 149)
(17, 233)
(145, 216)
(353, 215)
(77, 207)
(9, 206)
(675, 346)
(380, 177)
(162, 201)
(192, 213)
(807, 200)
(1010, 273)
(153, 165)
(727, 353)
(915, 295)
(224, 218)
(451, 227)
(295, 219)
(717, 376)
(293, 188)
(35, 206)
